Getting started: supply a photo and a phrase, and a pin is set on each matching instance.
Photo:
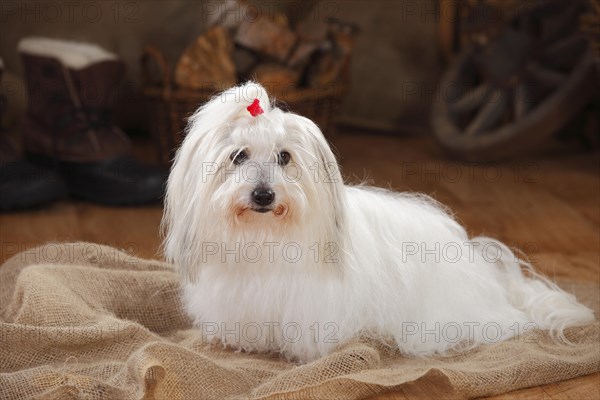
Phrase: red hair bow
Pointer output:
(255, 108)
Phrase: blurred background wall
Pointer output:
(395, 65)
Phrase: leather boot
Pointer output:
(72, 89)
(22, 184)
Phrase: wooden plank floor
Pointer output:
(547, 206)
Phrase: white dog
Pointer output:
(278, 255)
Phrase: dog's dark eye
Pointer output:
(284, 158)
(239, 156)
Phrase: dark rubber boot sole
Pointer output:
(118, 181)
(24, 185)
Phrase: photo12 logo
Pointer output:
(268, 332)
(229, 13)
(269, 252)
(52, 12)
(263, 172)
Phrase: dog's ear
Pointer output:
(327, 184)
(330, 176)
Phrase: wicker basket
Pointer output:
(169, 106)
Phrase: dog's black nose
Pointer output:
(263, 197)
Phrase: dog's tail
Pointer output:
(546, 305)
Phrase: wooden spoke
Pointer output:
(472, 99)
(526, 23)
(523, 100)
(490, 113)
(564, 45)
(557, 26)
(547, 77)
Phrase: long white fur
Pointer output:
(365, 278)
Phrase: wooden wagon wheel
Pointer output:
(513, 87)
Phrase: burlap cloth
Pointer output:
(87, 321)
